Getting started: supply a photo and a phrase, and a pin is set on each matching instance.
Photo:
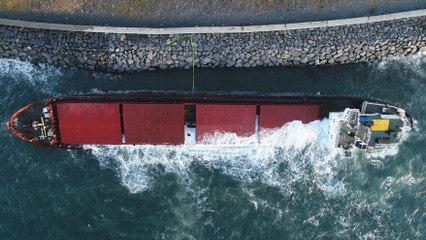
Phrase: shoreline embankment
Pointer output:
(115, 49)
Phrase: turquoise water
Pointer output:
(290, 187)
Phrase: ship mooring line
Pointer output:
(193, 65)
(190, 37)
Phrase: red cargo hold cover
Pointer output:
(154, 123)
(89, 123)
(239, 119)
(275, 116)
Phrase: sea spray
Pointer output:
(40, 77)
(414, 63)
(304, 149)
(282, 157)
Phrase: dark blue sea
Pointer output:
(291, 187)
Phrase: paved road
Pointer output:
(187, 13)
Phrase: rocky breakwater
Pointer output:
(132, 52)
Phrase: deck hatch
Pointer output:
(275, 116)
(89, 123)
(239, 119)
(154, 123)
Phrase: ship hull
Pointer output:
(163, 118)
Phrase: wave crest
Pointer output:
(287, 155)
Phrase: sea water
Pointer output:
(292, 185)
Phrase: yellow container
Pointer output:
(380, 125)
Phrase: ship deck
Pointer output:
(173, 118)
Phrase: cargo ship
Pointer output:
(155, 118)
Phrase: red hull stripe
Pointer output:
(89, 123)
(154, 123)
(239, 119)
(275, 116)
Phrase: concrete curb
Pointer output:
(217, 29)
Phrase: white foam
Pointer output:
(304, 150)
(37, 77)
(312, 221)
(413, 62)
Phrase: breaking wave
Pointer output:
(414, 63)
(296, 152)
(24, 75)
